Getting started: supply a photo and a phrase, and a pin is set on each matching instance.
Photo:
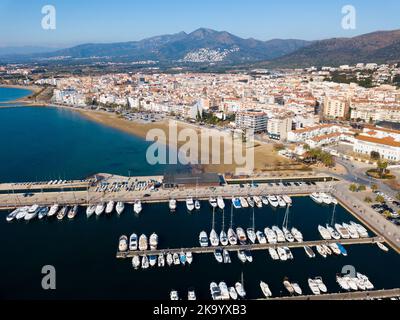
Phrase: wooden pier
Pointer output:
(252, 247)
(360, 295)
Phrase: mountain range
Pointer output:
(220, 47)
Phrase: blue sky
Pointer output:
(123, 20)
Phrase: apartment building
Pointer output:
(252, 119)
(336, 108)
(279, 127)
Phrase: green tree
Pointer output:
(374, 187)
(380, 199)
(382, 168)
(375, 155)
(353, 188)
(361, 188)
(368, 200)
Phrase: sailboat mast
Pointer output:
(333, 215)
(213, 220)
(223, 220)
(232, 216)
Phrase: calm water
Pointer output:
(48, 143)
(10, 94)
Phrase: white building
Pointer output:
(252, 119)
(279, 127)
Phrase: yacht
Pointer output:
(236, 203)
(224, 291)
(261, 237)
(326, 199)
(367, 282)
(297, 235)
(172, 205)
(153, 241)
(273, 201)
(190, 204)
(274, 255)
(325, 234)
(335, 249)
(316, 198)
(279, 234)
(192, 295)
(363, 232)
(334, 234)
(136, 262)
(90, 210)
(289, 253)
(282, 254)
(281, 202)
(344, 233)
(321, 251)
(242, 256)
(123, 244)
(258, 201)
(327, 249)
(288, 286)
(62, 213)
(218, 254)
(250, 201)
(189, 257)
(161, 260)
(264, 200)
(177, 261)
(297, 289)
(43, 212)
(137, 207)
(143, 244)
(287, 199)
(265, 289)
(352, 231)
(197, 205)
(214, 239)
(271, 236)
(174, 295)
(120, 207)
(232, 238)
(223, 238)
(203, 239)
(182, 258)
(342, 249)
(288, 236)
(215, 291)
(240, 290)
(145, 262)
(213, 202)
(153, 261)
(382, 247)
(11, 216)
(310, 253)
(22, 213)
(351, 282)
(170, 259)
(243, 202)
(100, 209)
(251, 235)
(232, 293)
(241, 235)
(221, 203)
(53, 210)
(314, 287)
(133, 242)
(360, 284)
(110, 207)
(342, 283)
(32, 213)
(73, 212)
(227, 257)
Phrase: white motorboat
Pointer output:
(279, 234)
(289, 253)
(240, 290)
(137, 207)
(352, 231)
(264, 200)
(321, 251)
(261, 237)
(172, 205)
(326, 199)
(251, 235)
(224, 291)
(382, 247)
(342, 283)
(325, 234)
(190, 204)
(197, 205)
(90, 210)
(62, 213)
(282, 254)
(232, 238)
(334, 234)
(233, 294)
(110, 207)
(192, 295)
(170, 259)
(250, 201)
(221, 203)
(213, 202)
(11, 216)
(215, 291)
(363, 232)
(153, 241)
(288, 286)
(310, 253)
(243, 202)
(123, 244)
(120, 207)
(327, 249)
(314, 287)
(227, 257)
(143, 244)
(287, 199)
(316, 198)
(274, 255)
(273, 201)
(214, 239)
(258, 201)
(53, 210)
(218, 254)
(203, 239)
(22, 213)
(281, 202)
(242, 256)
(297, 235)
(174, 295)
(271, 236)
(368, 284)
(73, 212)
(223, 238)
(43, 211)
(189, 257)
(32, 213)
(351, 282)
(344, 233)
(265, 289)
(133, 242)
(297, 289)
(335, 249)
(100, 209)
(176, 259)
(288, 236)
(241, 235)
(236, 203)
(136, 262)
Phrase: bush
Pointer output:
(380, 199)
(353, 188)
(368, 200)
